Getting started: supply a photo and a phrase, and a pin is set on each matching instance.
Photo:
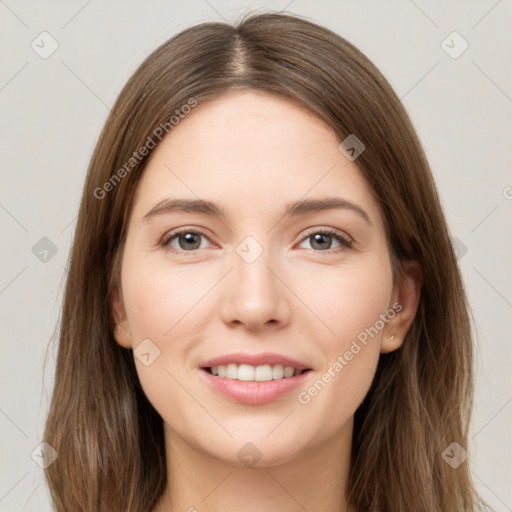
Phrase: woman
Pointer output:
(312, 351)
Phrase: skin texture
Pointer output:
(252, 153)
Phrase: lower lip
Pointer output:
(252, 392)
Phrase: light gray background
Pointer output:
(53, 110)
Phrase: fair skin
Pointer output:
(252, 153)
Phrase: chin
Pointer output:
(259, 449)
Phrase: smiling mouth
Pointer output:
(250, 373)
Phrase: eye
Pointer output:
(187, 240)
(321, 241)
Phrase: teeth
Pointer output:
(247, 372)
(289, 371)
(231, 371)
(277, 371)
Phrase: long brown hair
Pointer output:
(109, 438)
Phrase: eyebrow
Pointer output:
(294, 209)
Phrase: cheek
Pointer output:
(159, 300)
(348, 301)
(351, 303)
(164, 306)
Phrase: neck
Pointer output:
(314, 479)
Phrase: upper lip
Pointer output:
(255, 360)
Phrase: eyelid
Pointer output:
(332, 231)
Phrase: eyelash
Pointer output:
(344, 241)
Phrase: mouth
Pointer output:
(250, 373)
(254, 379)
(254, 385)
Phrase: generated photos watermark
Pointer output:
(158, 133)
(305, 397)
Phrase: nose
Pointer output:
(255, 294)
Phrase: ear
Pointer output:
(404, 302)
(122, 333)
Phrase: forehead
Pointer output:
(251, 148)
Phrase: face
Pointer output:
(262, 275)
